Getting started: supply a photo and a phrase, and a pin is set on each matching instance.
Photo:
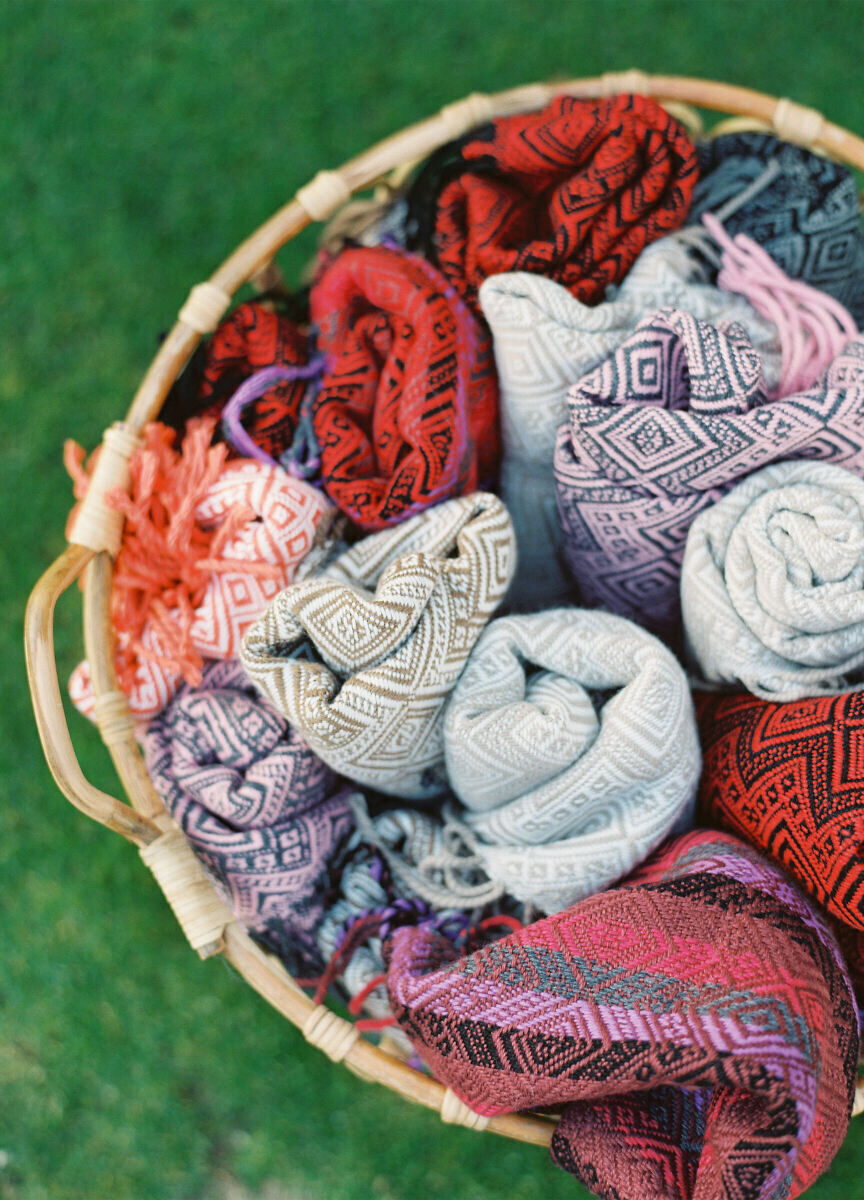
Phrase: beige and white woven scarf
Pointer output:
(362, 658)
(772, 585)
(571, 741)
(545, 340)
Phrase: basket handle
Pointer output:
(48, 706)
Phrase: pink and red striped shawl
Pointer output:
(697, 1023)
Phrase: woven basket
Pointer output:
(207, 922)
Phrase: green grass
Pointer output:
(138, 143)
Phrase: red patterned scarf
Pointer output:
(790, 779)
(253, 337)
(573, 192)
(407, 413)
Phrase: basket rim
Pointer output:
(208, 923)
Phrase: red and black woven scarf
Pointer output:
(407, 413)
(250, 338)
(790, 779)
(573, 192)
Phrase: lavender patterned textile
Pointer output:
(263, 813)
(803, 208)
(662, 429)
(545, 340)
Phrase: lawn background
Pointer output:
(139, 142)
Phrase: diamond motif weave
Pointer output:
(805, 211)
(697, 1023)
(545, 340)
(263, 813)
(772, 584)
(663, 428)
(571, 741)
(407, 413)
(283, 517)
(790, 779)
(362, 658)
(250, 338)
(573, 192)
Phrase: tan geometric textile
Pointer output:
(362, 658)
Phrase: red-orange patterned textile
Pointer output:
(407, 413)
(574, 192)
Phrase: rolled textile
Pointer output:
(801, 207)
(573, 192)
(658, 432)
(264, 814)
(362, 657)
(206, 546)
(697, 1023)
(772, 583)
(544, 341)
(571, 741)
(790, 779)
(407, 411)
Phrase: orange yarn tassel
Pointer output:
(167, 557)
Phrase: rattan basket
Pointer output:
(207, 922)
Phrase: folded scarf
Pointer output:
(206, 546)
(801, 207)
(789, 779)
(363, 657)
(263, 813)
(698, 1024)
(658, 432)
(772, 584)
(573, 192)
(407, 412)
(570, 739)
(545, 339)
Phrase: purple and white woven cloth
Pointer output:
(263, 813)
(662, 429)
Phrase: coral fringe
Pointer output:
(167, 557)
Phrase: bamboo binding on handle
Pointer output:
(202, 914)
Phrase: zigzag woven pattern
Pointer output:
(544, 340)
(570, 739)
(803, 208)
(573, 192)
(407, 413)
(263, 813)
(790, 779)
(283, 518)
(772, 584)
(364, 674)
(707, 988)
(663, 428)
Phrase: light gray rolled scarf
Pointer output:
(544, 341)
(362, 656)
(772, 585)
(571, 741)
